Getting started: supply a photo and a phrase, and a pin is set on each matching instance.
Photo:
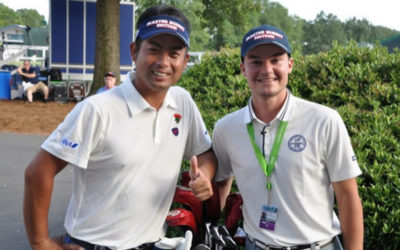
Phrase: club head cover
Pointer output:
(186, 244)
(185, 196)
(182, 217)
(233, 210)
(168, 243)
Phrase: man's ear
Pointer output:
(243, 69)
(134, 51)
(186, 60)
(290, 64)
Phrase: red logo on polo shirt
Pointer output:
(177, 117)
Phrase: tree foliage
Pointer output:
(31, 17)
(227, 20)
(8, 16)
(220, 23)
(22, 16)
(273, 13)
(323, 28)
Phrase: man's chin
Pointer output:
(161, 88)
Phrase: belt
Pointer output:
(262, 245)
(90, 246)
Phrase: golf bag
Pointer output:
(202, 218)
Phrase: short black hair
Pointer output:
(158, 10)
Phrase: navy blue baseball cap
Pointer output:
(163, 25)
(264, 34)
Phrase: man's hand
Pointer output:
(200, 183)
(55, 244)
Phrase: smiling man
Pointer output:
(125, 147)
(289, 157)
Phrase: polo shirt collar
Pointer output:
(135, 102)
(283, 114)
(169, 101)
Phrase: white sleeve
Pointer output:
(219, 146)
(77, 136)
(339, 157)
(199, 140)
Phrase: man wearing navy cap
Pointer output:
(290, 158)
(125, 147)
(109, 82)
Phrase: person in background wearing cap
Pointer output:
(125, 147)
(289, 157)
(109, 82)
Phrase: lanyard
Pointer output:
(268, 168)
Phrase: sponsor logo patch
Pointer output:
(69, 143)
(297, 143)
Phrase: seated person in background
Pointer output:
(30, 82)
(109, 82)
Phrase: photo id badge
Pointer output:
(268, 218)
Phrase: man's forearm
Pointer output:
(37, 196)
(351, 221)
(224, 188)
(29, 75)
(208, 164)
(39, 181)
(350, 213)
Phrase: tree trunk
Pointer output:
(107, 56)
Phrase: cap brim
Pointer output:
(265, 42)
(153, 33)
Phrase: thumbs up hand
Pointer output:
(199, 183)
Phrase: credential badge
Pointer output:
(297, 143)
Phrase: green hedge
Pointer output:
(363, 85)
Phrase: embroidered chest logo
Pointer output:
(177, 117)
(175, 131)
(69, 143)
(297, 143)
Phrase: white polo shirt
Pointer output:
(315, 151)
(126, 159)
